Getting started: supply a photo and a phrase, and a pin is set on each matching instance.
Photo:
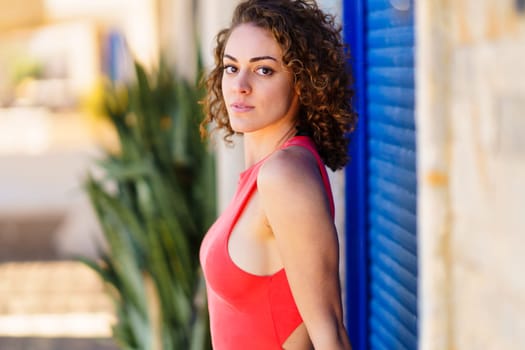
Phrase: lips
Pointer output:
(240, 107)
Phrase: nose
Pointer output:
(242, 84)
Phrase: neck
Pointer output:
(257, 146)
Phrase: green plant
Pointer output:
(154, 204)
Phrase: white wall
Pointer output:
(215, 15)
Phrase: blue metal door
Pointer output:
(381, 195)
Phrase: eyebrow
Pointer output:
(253, 59)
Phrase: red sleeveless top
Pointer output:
(248, 311)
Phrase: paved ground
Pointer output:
(55, 344)
(58, 305)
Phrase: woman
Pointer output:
(271, 259)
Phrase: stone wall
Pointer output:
(471, 144)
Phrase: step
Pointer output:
(12, 343)
(53, 299)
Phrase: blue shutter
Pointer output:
(382, 181)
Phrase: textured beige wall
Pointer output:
(471, 120)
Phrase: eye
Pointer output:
(264, 71)
(229, 69)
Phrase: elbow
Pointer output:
(334, 339)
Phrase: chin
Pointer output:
(240, 129)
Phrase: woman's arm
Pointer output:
(296, 205)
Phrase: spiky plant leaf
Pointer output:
(153, 213)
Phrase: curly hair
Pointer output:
(314, 52)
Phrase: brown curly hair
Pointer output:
(314, 52)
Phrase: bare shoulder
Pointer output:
(288, 166)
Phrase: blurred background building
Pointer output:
(53, 55)
(430, 212)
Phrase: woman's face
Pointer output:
(257, 89)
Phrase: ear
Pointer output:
(297, 89)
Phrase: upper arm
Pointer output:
(297, 208)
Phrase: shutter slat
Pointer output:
(398, 234)
(392, 325)
(405, 157)
(395, 288)
(393, 212)
(394, 193)
(404, 316)
(390, 340)
(378, 5)
(392, 95)
(392, 134)
(376, 343)
(384, 252)
(404, 177)
(401, 117)
(393, 76)
(390, 37)
(389, 18)
(391, 57)
(385, 245)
